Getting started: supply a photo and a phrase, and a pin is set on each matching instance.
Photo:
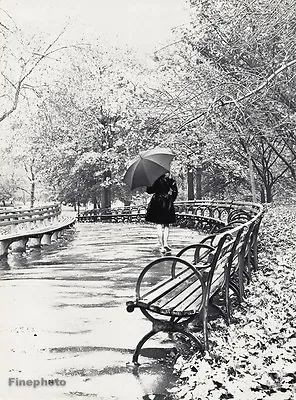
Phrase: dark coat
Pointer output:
(161, 209)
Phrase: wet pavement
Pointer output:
(63, 317)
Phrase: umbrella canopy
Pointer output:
(148, 166)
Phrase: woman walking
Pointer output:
(161, 209)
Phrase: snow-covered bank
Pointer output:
(254, 358)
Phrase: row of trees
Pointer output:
(235, 68)
(221, 96)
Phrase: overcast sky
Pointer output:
(144, 24)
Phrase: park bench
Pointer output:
(46, 233)
(245, 259)
(173, 291)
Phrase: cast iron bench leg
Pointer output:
(140, 345)
(192, 337)
(235, 288)
(218, 309)
(170, 332)
(227, 301)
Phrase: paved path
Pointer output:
(63, 316)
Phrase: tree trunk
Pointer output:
(95, 202)
(252, 178)
(262, 195)
(190, 184)
(106, 198)
(198, 174)
(106, 193)
(269, 196)
(32, 195)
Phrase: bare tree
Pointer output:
(18, 65)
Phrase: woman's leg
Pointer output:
(166, 232)
(160, 234)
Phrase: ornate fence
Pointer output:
(209, 216)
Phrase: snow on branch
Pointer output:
(263, 84)
(222, 103)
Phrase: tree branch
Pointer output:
(279, 154)
(263, 84)
(18, 86)
(221, 103)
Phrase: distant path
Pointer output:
(63, 315)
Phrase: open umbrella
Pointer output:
(148, 166)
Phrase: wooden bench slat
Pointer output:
(165, 282)
(166, 287)
(187, 298)
(176, 294)
(164, 311)
(197, 294)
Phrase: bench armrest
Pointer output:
(130, 306)
(171, 262)
(215, 238)
(209, 239)
(198, 257)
